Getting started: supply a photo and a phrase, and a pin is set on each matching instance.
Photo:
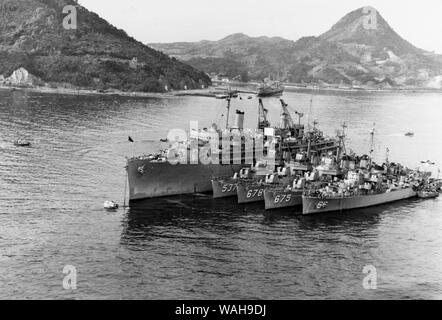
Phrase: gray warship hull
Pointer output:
(149, 179)
(224, 188)
(311, 205)
(254, 190)
(249, 193)
(270, 92)
(277, 199)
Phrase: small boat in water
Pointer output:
(409, 134)
(110, 205)
(428, 194)
(22, 143)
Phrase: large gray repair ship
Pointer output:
(152, 176)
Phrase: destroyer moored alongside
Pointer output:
(290, 195)
(224, 187)
(317, 204)
(295, 150)
(249, 191)
(365, 184)
(275, 198)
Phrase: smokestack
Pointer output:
(239, 120)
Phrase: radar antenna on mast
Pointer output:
(310, 111)
(228, 112)
(315, 123)
(300, 116)
(372, 143)
(344, 126)
(341, 136)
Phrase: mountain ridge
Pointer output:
(96, 55)
(350, 53)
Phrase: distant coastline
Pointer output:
(207, 92)
(331, 87)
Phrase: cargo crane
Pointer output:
(286, 119)
(262, 118)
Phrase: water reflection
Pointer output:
(146, 219)
(149, 217)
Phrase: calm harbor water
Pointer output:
(186, 247)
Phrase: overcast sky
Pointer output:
(418, 21)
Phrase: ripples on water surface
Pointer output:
(192, 246)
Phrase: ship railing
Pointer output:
(320, 193)
(330, 195)
(225, 178)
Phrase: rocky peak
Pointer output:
(366, 26)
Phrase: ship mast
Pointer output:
(372, 144)
(341, 141)
(309, 133)
(300, 116)
(310, 111)
(315, 123)
(228, 112)
(387, 155)
(309, 146)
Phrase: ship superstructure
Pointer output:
(364, 186)
(188, 165)
(363, 183)
(270, 88)
(295, 150)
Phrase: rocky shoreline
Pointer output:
(85, 92)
